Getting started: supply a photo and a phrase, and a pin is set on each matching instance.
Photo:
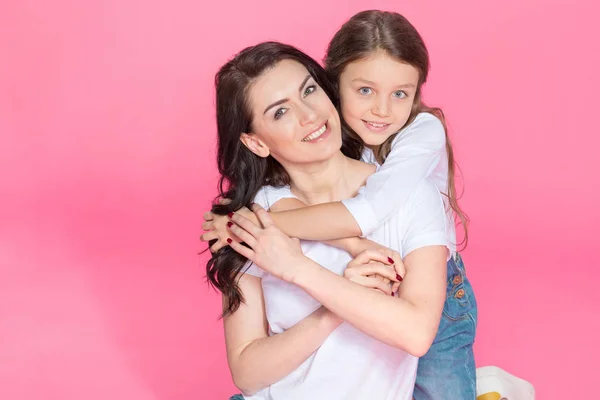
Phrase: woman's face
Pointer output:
(293, 119)
(377, 94)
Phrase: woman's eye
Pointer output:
(309, 90)
(400, 94)
(279, 113)
(365, 91)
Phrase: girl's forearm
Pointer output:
(321, 222)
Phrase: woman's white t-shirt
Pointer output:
(349, 364)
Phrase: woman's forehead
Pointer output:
(283, 73)
(284, 79)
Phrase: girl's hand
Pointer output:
(373, 269)
(394, 256)
(216, 227)
(268, 247)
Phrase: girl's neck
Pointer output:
(375, 150)
(334, 179)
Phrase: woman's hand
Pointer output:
(268, 247)
(376, 270)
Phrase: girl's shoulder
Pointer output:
(426, 128)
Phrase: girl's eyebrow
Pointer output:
(368, 82)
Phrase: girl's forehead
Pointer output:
(382, 68)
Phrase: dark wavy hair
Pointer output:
(243, 173)
(374, 30)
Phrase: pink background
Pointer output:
(107, 160)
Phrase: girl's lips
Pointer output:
(378, 128)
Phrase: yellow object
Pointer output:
(489, 396)
(494, 383)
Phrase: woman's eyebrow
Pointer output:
(278, 102)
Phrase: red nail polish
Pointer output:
(392, 294)
(398, 277)
(390, 260)
(229, 224)
(230, 215)
(229, 240)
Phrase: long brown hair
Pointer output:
(374, 30)
(243, 173)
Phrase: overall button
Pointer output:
(460, 294)
(457, 279)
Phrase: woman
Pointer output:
(379, 63)
(280, 144)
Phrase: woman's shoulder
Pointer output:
(268, 195)
(361, 170)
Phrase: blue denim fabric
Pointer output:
(447, 371)
(236, 397)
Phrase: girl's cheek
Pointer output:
(349, 108)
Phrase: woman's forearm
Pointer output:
(392, 320)
(268, 360)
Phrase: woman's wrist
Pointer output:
(329, 320)
(301, 272)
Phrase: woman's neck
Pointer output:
(335, 179)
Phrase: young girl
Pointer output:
(379, 63)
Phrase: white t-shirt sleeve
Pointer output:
(424, 219)
(415, 153)
(252, 269)
(266, 197)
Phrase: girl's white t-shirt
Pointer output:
(418, 152)
(349, 364)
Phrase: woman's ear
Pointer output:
(255, 145)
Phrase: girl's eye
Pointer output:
(400, 94)
(309, 90)
(365, 91)
(279, 113)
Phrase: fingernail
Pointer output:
(229, 240)
(398, 277)
(230, 215)
(390, 260)
(392, 294)
(229, 224)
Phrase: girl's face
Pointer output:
(377, 95)
(293, 119)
